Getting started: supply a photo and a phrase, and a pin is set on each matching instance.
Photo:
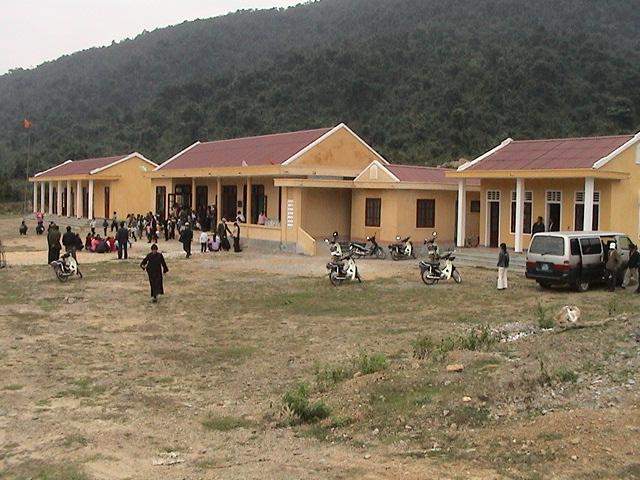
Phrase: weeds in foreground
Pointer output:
(566, 376)
(225, 423)
(422, 347)
(296, 401)
(476, 339)
(543, 318)
(613, 307)
(371, 363)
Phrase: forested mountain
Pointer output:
(424, 81)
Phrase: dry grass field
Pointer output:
(254, 366)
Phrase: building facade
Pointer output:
(310, 184)
(574, 184)
(94, 187)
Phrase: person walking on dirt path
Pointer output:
(222, 231)
(53, 240)
(503, 266)
(186, 237)
(155, 267)
(612, 266)
(122, 236)
(236, 237)
(631, 272)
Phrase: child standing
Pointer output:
(503, 266)
(204, 239)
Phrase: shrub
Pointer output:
(327, 375)
(613, 307)
(297, 401)
(477, 339)
(422, 347)
(566, 375)
(542, 315)
(225, 423)
(367, 364)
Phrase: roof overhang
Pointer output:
(74, 178)
(335, 183)
(540, 173)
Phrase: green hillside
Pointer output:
(424, 81)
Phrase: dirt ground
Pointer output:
(98, 383)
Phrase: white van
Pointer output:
(575, 259)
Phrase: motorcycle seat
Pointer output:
(359, 244)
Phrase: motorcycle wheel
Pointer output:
(395, 255)
(381, 254)
(334, 279)
(427, 279)
(61, 276)
(456, 276)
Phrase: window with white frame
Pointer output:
(528, 212)
(579, 211)
(493, 195)
(553, 200)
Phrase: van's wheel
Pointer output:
(456, 276)
(545, 285)
(334, 279)
(581, 286)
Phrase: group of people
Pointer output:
(616, 274)
(214, 242)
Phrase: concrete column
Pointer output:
(35, 197)
(589, 191)
(90, 200)
(69, 199)
(42, 188)
(249, 187)
(218, 200)
(50, 198)
(519, 214)
(462, 212)
(193, 194)
(59, 198)
(79, 199)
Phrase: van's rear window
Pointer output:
(547, 245)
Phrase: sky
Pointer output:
(35, 31)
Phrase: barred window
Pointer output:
(426, 213)
(373, 206)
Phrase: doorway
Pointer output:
(494, 224)
(258, 202)
(554, 211)
(161, 202)
(229, 201)
(107, 206)
(85, 202)
(202, 198)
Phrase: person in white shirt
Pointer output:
(262, 219)
(204, 239)
(240, 217)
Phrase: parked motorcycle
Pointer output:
(65, 267)
(341, 267)
(402, 249)
(432, 272)
(363, 249)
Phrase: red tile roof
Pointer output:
(559, 153)
(263, 150)
(80, 167)
(418, 174)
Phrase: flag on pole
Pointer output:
(26, 123)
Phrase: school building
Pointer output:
(94, 187)
(574, 184)
(310, 184)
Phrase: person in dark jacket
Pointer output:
(236, 237)
(612, 266)
(538, 227)
(503, 266)
(222, 232)
(105, 225)
(53, 240)
(69, 242)
(155, 266)
(632, 273)
(186, 237)
(23, 228)
(122, 237)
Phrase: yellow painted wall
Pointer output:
(539, 187)
(625, 194)
(399, 214)
(326, 210)
(131, 192)
(340, 150)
